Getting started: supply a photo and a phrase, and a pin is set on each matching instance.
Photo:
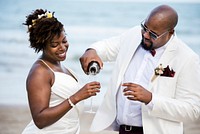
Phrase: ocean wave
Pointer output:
(10, 36)
(77, 32)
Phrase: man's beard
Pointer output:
(145, 46)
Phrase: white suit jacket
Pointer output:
(175, 99)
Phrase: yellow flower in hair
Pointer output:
(49, 15)
(46, 15)
(40, 16)
(33, 22)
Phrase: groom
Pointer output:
(154, 87)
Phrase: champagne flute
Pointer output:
(91, 78)
(93, 69)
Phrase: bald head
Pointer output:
(164, 16)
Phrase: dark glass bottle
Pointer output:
(93, 68)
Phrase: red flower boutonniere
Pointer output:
(163, 72)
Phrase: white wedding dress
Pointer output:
(64, 86)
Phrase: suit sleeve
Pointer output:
(108, 49)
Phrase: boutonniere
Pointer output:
(160, 71)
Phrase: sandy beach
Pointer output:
(13, 119)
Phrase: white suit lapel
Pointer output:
(167, 56)
(126, 57)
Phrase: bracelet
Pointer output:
(70, 103)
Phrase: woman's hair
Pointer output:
(42, 27)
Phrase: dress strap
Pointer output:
(46, 65)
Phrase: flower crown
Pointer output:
(46, 15)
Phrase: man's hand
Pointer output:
(137, 93)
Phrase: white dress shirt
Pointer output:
(139, 71)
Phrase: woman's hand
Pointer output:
(88, 90)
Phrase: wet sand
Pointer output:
(13, 119)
